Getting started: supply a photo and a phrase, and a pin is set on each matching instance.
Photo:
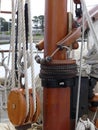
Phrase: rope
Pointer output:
(19, 37)
(32, 60)
(22, 44)
(80, 72)
(25, 55)
(85, 124)
(13, 43)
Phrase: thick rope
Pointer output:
(19, 37)
(13, 43)
(25, 57)
(32, 57)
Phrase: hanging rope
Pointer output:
(19, 38)
(32, 57)
(13, 42)
(80, 72)
(25, 56)
(22, 48)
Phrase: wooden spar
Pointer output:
(56, 101)
(6, 12)
(71, 37)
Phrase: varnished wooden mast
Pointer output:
(56, 101)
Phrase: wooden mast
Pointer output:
(56, 101)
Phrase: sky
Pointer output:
(37, 7)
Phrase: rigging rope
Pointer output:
(80, 71)
(13, 42)
(25, 55)
(19, 38)
(32, 57)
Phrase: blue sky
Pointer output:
(37, 6)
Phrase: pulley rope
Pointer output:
(19, 37)
(13, 42)
(25, 55)
(32, 57)
(80, 71)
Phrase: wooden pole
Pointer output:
(56, 101)
(5, 12)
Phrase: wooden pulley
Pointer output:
(17, 109)
(77, 1)
(16, 106)
(94, 103)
